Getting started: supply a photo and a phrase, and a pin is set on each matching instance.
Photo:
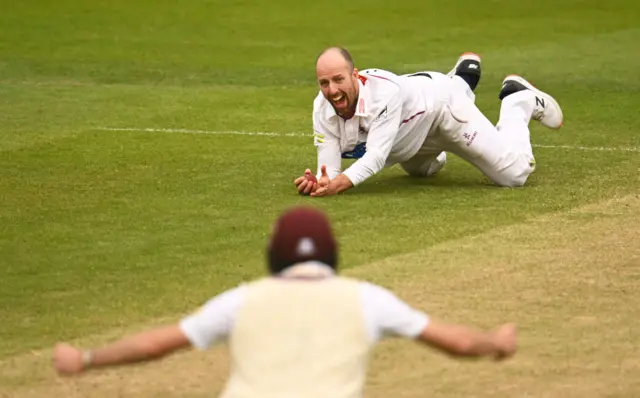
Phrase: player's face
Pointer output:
(339, 85)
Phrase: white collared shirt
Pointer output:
(393, 116)
(384, 313)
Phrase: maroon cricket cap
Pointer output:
(301, 234)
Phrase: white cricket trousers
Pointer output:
(503, 152)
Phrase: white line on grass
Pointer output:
(190, 131)
(272, 134)
(590, 148)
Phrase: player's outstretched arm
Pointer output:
(389, 315)
(146, 346)
(463, 341)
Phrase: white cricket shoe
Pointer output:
(547, 110)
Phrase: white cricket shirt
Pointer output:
(393, 116)
(384, 314)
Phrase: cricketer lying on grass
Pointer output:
(382, 119)
(302, 331)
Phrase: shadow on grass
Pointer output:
(392, 184)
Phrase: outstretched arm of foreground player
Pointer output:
(211, 323)
(144, 346)
(392, 316)
(463, 341)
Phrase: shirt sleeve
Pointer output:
(214, 321)
(387, 315)
(382, 135)
(328, 151)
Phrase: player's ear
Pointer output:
(355, 73)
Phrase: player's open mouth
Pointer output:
(340, 101)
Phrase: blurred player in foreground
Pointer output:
(382, 119)
(302, 331)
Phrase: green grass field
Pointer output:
(106, 227)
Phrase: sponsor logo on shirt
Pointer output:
(382, 115)
(469, 137)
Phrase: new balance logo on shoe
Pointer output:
(545, 108)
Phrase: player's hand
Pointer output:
(67, 360)
(324, 183)
(307, 183)
(324, 177)
(505, 341)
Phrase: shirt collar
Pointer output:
(363, 104)
(308, 269)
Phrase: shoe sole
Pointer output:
(472, 56)
(541, 93)
(463, 57)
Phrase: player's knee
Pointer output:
(514, 176)
(413, 171)
(512, 182)
(425, 169)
